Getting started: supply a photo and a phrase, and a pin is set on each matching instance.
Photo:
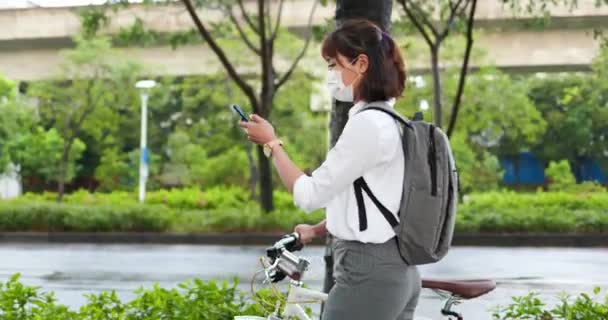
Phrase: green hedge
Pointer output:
(230, 210)
(50, 216)
(534, 212)
(192, 198)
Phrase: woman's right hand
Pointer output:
(307, 232)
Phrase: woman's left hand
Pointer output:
(259, 131)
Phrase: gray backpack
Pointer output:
(430, 192)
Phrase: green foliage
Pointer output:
(26, 150)
(17, 119)
(499, 114)
(559, 212)
(90, 105)
(569, 119)
(21, 302)
(525, 307)
(562, 179)
(530, 306)
(477, 170)
(7, 90)
(137, 35)
(574, 107)
(188, 164)
(599, 101)
(51, 216)
(194, 299)
(229, 209)
(205, 146)
(112, 170)
(92, 20)
(560, 175)
(497, 118)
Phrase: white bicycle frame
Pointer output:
(293, 309)
(296, 295)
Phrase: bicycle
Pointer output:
(280, 262)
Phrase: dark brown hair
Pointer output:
(385, 75)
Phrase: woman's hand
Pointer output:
(307, 232)
(259, 131)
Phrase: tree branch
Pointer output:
(463, 69)
(77, 126)
(267, 15)
(416, 23)
(278, 22)
(306, 44)
(246, 17)
(263, 40)
(453, 13)
(262, 22)
(247, 89)
(425, 19)
(248, 42)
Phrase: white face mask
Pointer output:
(337, 88)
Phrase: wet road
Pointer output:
(75, 269)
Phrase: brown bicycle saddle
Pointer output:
(465, 289)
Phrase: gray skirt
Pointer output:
(372, 282)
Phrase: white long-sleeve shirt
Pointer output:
(370, 146)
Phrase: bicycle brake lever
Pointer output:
(277, 276)
(294, 246)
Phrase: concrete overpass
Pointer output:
(30, 39)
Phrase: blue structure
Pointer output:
(526, 169)
(588, 170)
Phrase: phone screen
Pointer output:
(240, 112)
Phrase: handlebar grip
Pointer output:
(287, 240)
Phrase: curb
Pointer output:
(500, 240)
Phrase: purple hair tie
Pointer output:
(385, 43)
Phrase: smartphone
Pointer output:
(240, 112)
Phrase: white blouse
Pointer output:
(370, 146)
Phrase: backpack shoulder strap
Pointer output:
(360, 186)
(384, 107)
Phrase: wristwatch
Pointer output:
(268, 147)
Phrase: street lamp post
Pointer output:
(144, 87)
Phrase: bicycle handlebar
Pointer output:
(286, 240)
(283, 261)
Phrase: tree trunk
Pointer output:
(436, 85)
(266, 97)
(253, 172)
(265, 180)
(337, 121)
(63, 165)
(264, 165)
(464, 69)
(378, 12)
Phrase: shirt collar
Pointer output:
(359, 105)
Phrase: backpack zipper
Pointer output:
(432, 160)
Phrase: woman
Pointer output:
(372, 281)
